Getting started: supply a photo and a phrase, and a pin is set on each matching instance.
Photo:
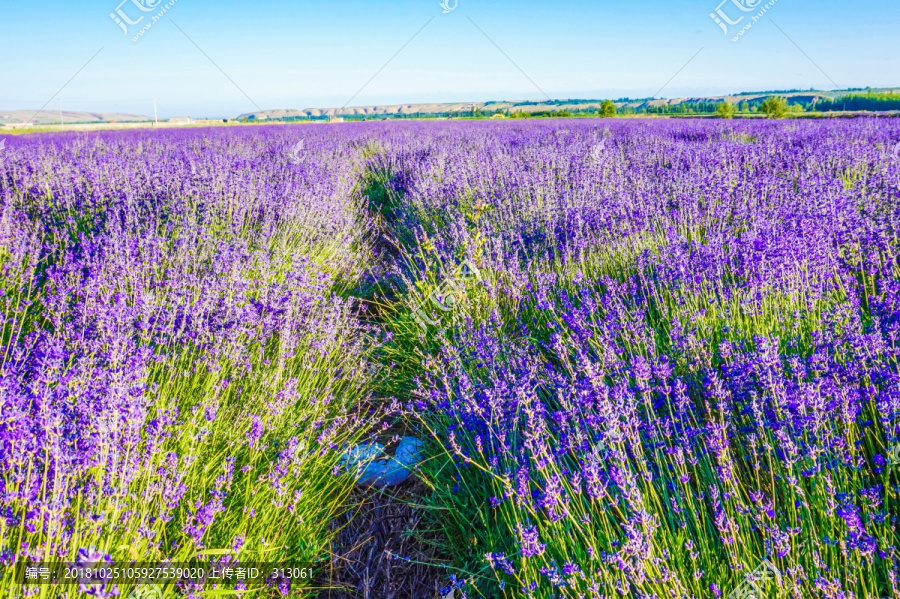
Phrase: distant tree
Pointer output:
(744, 106)
(775, 107)
(725, 110)
(607, 108)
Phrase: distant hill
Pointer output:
(11, 118)
(51, 117)
(532, 106)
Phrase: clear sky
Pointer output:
(301, 54)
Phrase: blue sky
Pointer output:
(300, 54)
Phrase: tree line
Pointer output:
(775, 106)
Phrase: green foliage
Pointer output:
(775, 107)
(553, 113)
(607, 108)
(682, 108)
(869, 101)
(725, 110)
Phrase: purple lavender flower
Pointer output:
(530, 541)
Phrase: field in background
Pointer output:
(652, 358)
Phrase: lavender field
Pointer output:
(671, 369)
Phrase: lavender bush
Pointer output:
(682, 361)
(180, 369)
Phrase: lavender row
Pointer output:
(180, 365)
(681, 363)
